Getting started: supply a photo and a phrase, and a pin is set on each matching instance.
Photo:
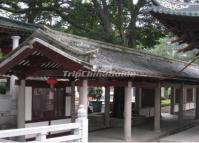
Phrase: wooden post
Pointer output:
(197, 104)
(173, 94)
(140, 100)
(72, 101)
(128, 111)
(107, 106)
(157, 108)
(184, 98)
(21, 107)
(137, 100)
(181, 106)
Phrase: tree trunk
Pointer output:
(120, 22)
(132, 26)
(103, 15)
(132, 36)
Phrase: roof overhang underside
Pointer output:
(39, 59)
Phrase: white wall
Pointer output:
(147, 112)
(5, 107)
(68, 106)
(187, 106)
(28, 103)
(46, 123)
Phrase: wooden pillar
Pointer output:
(107, 106)
(172, 106)
(83, 95)
(118, 102)
(21, 105)
(72, 101)
(181, 102)
(128, 111)
(184, 99)
(137, 100)
(197, 104)
(140, 99)
(21, 108)
(157, 108)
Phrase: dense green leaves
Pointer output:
(168, 50)
(115, 21)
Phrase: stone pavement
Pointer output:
(145, 133)
(190, 135)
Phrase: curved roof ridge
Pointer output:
(119, 48)
(17, 24)
(158, 2)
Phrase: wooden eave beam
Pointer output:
(67, 63)
(12, 63)
(44, 84)
(47, 73)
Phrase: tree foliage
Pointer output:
(115, 21)
(168, 50)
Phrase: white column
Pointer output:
(107, 106)
(83, 94)
(15, 44)
(197, 104)
(157, 108)
(181, 98)
(128, 111)
(162, 91)
(83, 121)
(21, 105)
(15, 41)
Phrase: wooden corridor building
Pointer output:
(44, 53)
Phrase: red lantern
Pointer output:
(52, 82)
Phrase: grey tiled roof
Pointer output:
(171, 7)
(114, 58)
(108, 57)
(17, 25)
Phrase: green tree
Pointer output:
(115, 21)
(168, 50)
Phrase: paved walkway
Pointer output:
(144, 133)
(190, 135)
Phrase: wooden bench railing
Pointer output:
(80, 130)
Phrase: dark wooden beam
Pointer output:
(66, 62)
(44, 84)
(46, 73)
(12, 63)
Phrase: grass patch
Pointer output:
(165, 102)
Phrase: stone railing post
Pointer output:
(83, 121)
(41, 136)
